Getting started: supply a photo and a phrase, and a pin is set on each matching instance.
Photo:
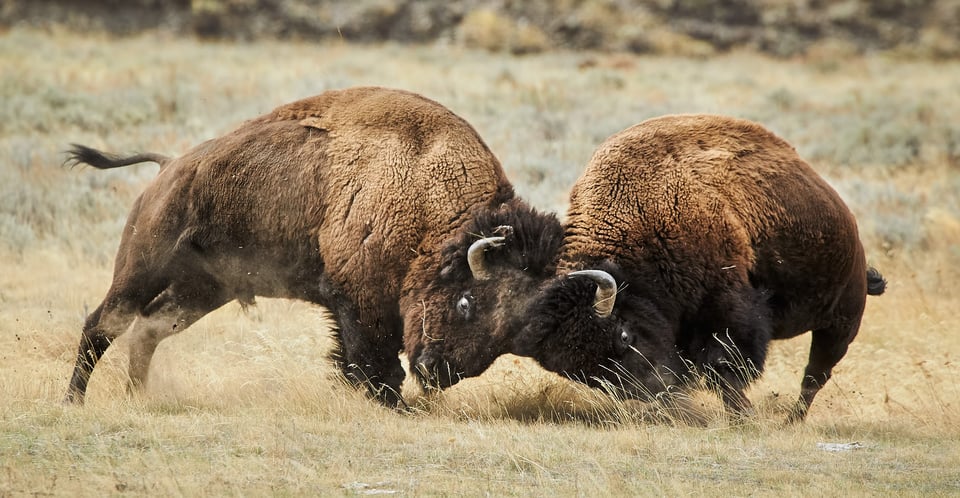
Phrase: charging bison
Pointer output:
(332, 199)
(690, 242)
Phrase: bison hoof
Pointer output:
(72, 398)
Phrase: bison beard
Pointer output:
(331, 200)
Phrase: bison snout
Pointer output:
(434, 373)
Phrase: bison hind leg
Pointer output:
(101, 327)
(171, 312)
(827, 348)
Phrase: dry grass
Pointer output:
(244, 404)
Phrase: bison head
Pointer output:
(582, 325)
(466, 308)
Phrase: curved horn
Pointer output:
(606, 290)
(475, 256)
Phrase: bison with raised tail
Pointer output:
(690, 242)
(331, 199)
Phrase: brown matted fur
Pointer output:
(721, 238)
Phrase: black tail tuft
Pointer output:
(876, 284)
(81, 154)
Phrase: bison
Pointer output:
(690, 242)
(344, 199)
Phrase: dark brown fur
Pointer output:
(330, 199)
(721, 238)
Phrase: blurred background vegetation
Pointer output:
(928, 28)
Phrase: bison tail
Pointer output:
(876, 284)
(81, 154)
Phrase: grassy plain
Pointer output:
(244, 404)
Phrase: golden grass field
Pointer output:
(246, 403)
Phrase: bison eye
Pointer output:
(625, 337)
(464, 305)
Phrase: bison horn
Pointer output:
(475, 256)
(606, 290)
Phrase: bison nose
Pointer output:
(426, 371)
(435, 373)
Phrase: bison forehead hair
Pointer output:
(565, 335)
(532, 241)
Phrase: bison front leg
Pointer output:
(380, 375)
(368, 356)
(734, 356)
